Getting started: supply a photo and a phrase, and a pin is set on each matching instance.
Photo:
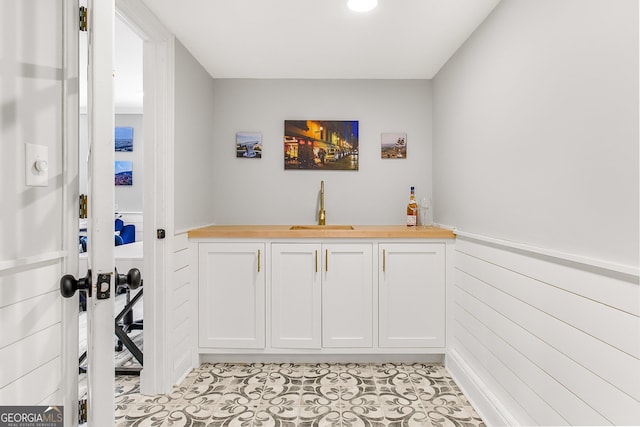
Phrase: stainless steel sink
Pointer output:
(321, 227)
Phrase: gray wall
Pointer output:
(536, 128)
(260, 191)
(193, 156)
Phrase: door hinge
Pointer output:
(84, 200)
(82, 411)
(83, 18)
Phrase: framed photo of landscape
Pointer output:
(321, 144)
(249, 145)
(393, 145)
(123, 172)
(124, 139)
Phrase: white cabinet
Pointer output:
(411, 295)
(296, 295)
(321, 295)
(347, 295)
(231, 295)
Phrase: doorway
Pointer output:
(158, 124)
(128, 195)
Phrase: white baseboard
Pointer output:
(183, 376)
(321, 358)
(486, 404)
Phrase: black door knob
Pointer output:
(133, 278)
(69, 284)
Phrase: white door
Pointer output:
(100, 307)
(101, 287)
(295, 295)
(347, 295)
(36, 338)
(231, 295)
(412, 294)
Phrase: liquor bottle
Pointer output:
(412, 210)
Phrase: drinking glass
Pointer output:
(424, 206)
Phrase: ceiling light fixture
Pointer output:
(362, 5)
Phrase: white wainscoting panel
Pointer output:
(29, 316)
(19, 359)
(33, 388)
(554, 342)
(28, 281)
(31, 338)
(182, 329)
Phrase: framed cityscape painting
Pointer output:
(321, 144)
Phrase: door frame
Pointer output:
(158, 118)
(70, 195)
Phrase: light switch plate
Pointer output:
(37, 165)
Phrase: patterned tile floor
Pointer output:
(313, 395)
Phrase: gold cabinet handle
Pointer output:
(326, 260)
(384, 260)
(316, 260)
(258, 260)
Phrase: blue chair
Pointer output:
(118, 229)
(124, 233)
(128, 234)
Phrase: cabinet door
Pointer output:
(295, 295)
(347, 295)
(231, 295)
(411, 295)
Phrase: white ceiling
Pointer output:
(321, 39)
(127, 64)
(128, 69)
(303, 39)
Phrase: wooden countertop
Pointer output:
(317, 231)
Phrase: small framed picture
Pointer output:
(393, 145)
(249, 145)
(124, 139)
(124, 172)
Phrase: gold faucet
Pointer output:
(322, 215)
